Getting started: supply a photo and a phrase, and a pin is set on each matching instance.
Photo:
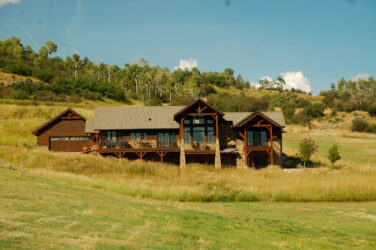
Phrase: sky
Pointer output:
(310, 43)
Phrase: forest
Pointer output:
(75, 78)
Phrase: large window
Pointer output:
(166, 139)
(199, 129)
(257, 137)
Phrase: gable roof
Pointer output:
(136, 117)
(38, 130)
(194, 103)
(276, 118)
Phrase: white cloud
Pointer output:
(268, 78)
(187, 64)
(360, 76)
(4, 2)
(296, 80)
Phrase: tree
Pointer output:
(77, 61)
(307, 147)
(333, 154)
(51, 47)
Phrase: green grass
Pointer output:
(356, 150)
(41, 210)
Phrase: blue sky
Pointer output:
(310, 42)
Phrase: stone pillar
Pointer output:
(240, 159)
(217, 162)
(182, 154)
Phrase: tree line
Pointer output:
(79, 76)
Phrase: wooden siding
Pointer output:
(62, 128)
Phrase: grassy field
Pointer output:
(43, 209)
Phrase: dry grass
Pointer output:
(202, 183)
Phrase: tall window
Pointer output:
(199, 129)
(198, 134)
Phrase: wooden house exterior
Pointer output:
(64, 133)
(193, 133)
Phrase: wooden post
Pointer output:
(271, 144)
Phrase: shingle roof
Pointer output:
(155, 117)
(89, 127)
(136, 117)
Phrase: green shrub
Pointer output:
(315, 110)
(333, 154)
(360, 125)
(372, 111)
(307, 147)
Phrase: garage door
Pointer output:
(68, 144)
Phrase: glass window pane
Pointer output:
(109, 139)
(172, 139)
(54, 138)
(210, 121)
(84, 138)
(250, 138)
(198, 134)
(187, 121)
(166, 139)
(138, 136)
(263, 138)
(144, 136)
(113, 138)
(187, 134)
(133, 136)
(200, 120)
(64, 138)
(75, 138)
(211, 136)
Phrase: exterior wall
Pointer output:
(62, 128)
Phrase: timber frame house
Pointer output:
(195, 133)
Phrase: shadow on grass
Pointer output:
(293, 161)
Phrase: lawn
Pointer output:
(43, 209)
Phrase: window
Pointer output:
(75, 138)
(109, 139)
(137, 136)
(187, 134)
(210, 121)
(210, 134)
(187, 121)
(64, 138)
(166, 139)
(257, 137)
(198, 120)
(84, 138)
(198, 134)
(54, 138)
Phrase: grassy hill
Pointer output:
(46, 209)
